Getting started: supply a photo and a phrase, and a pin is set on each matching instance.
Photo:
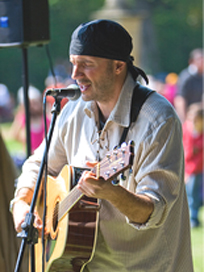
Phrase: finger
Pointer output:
(18, 226)
(37, 221)
(91, 164)
(85, 190)
(85, 176)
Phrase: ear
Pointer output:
(119, 66)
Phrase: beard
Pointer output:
(102, 90)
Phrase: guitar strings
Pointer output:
(66, 204)
(75, 194)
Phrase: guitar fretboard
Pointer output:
(68, 202)
(113, 164)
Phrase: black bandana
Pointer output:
(105, 39)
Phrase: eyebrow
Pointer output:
(81, 60)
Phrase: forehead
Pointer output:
(83, 58)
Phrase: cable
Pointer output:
(45, 185)
(51, 64)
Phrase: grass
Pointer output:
(197, 234)
(12, 145)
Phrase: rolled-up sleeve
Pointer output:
(158, 170)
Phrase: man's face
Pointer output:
(35, 107)
(198, 61)
(95, 77)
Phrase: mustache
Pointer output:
(81, 82)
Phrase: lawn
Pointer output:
(197, 234)
(12, 145)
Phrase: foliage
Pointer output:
(179, 30)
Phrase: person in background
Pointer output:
(18, 129)
(193, 132)
(6, 104)
(9, 243)
(52, 83)
(170, 88)
(165, 84)
(143, 221)
(190, 84)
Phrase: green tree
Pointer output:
(178, 29)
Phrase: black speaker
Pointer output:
(24, 23)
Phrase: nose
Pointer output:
(76, 72)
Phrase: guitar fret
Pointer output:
(69, 201)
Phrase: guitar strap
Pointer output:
(140, 94)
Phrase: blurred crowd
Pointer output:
(184, 91)
(14, 111)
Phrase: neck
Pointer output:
(106, 107)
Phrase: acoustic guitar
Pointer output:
(71, 217)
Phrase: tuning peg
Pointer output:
(123, 177)
(131, 142)
(124, 144)
(115, 182)
(108, 156)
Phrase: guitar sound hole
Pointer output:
(55, 217)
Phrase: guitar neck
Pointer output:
(74, 195)
(68, 202)
(110, 167)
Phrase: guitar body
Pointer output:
(70, 242)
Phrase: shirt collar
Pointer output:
(121, 112)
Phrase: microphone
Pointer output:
(72, 92)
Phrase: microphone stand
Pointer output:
(29, 233)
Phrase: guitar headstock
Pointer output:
(115, 162)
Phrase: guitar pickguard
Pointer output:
(50, 246)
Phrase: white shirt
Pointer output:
(163, 243)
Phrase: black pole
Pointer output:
(26, 98)
(29, 233)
